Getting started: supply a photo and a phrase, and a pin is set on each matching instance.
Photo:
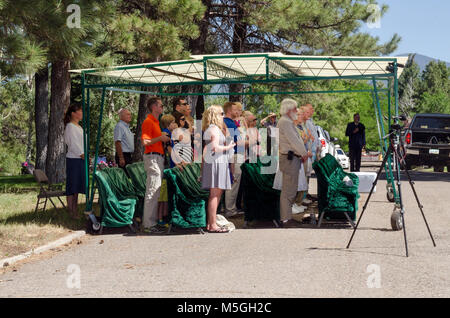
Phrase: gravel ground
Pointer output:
(299, 262)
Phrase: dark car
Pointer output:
(427, 141)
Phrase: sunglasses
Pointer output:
(182, 118)
(184, 104)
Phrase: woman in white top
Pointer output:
(182, 141)
(75, 165)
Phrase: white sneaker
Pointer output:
(306, 201)
(296, 209)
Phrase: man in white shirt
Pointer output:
(124, 139)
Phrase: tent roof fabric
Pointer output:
(249, 66)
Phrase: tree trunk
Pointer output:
(142, 114)
(59, 102)
(239, 35)
(29, 135)
(198, 46)
(41, 117)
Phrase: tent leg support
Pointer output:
(320, 219)
(350, 220)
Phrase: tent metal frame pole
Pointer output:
(97, 145)
(250, 92)
(261, 80)
(389, 173)
(85, 133)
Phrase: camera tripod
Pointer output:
(395, 146)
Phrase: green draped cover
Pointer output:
(261, 201)
(187, 200)
(138, 177)
(334, 196)
(117, 197)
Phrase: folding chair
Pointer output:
(48, 192)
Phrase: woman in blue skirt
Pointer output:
(75, 165)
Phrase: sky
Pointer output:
(424, 26)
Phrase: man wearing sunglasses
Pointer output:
(180, 107)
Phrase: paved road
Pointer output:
(305, 262)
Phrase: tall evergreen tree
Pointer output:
(47, 22)
(317, 27)
(435, 89)
(150, 31)
(408, 87)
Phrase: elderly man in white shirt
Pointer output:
(292, 152)
(124, 139)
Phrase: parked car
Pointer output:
(427, 141)
(341, 157)
(326, 142)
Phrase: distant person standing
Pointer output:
(124, 139)
(356, 133)
(75, 164)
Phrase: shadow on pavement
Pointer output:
(421, 176)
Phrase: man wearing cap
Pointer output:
(153, 139)
(124, 139)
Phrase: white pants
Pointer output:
(154, 167)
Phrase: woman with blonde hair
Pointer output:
(215, 164)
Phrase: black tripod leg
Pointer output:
(370, 194)
(418, 202)
(402, 211)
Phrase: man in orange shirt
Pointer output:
(153, 139)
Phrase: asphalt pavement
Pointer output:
(269, 262)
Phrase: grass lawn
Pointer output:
(21, 229)
(14, 184)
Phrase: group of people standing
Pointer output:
(299, 147)
(230, 137)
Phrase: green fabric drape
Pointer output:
(261, 201)
(117, 199)
(334, 195)
(138, 177)
(187, 200)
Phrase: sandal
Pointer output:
(218, 230)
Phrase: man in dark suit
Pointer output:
(356, 133)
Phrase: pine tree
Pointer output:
(408, 87)
(435, 89)
(150, 31)
(45, 22)
(292, 27)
